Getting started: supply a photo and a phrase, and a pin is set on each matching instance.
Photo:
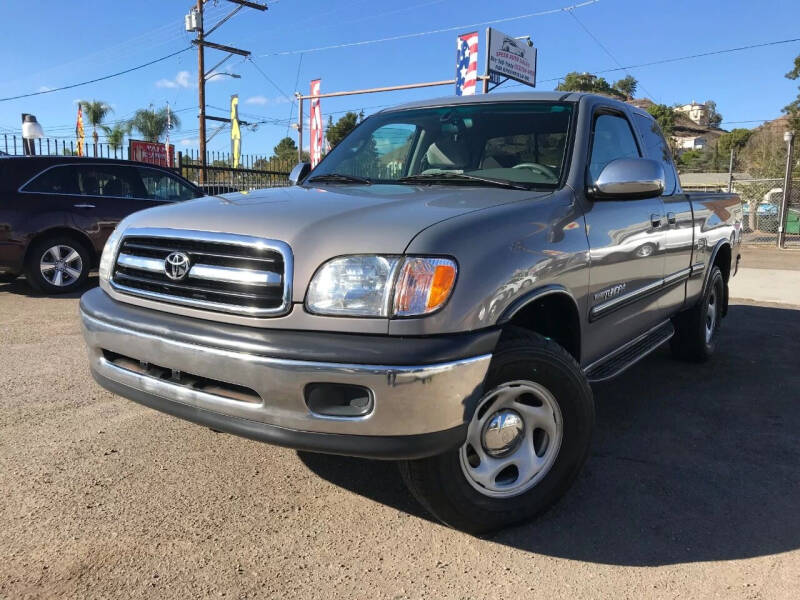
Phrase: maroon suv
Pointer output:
(56, 212)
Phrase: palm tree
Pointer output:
(116, 135)
(95, 111)
(152, 124)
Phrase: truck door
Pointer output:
(679, 221)
(626, 247)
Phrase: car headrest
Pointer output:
(448, 153)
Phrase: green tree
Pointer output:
(733, 140)
(792, 110)
(714, 118)
(116, 135)
(664, 116)
(586, 82)
(627, 86)
(152, 124)
(95, 112)
(336, 132)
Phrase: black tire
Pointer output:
(440, 484)
(70, 282)
(692, 341)
(8, 277)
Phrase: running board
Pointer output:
(629, 354)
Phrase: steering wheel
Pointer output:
(537, 168)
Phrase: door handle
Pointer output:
(655, 220)
(84, 206)
(671, 218)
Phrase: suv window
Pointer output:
(656, 148)
(106, 180)
(56, 180)
(163, 186)
(612, 139)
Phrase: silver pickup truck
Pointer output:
(440, 290)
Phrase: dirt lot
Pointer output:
(692, 490)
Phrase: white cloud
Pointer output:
(182, 80)
(44, 88)
(190, 142)
(257, 100)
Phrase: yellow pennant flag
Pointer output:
(236, 134)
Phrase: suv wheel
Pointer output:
(57, 265)
(696, 329)
(526, 442)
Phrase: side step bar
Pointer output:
(629, 354)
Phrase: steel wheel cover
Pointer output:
(532, 458)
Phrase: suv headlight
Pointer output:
(381, 286)
(109, 252)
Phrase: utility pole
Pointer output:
(201, 90)
(788, 137)
(194, 22)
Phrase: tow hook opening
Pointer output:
(339, 400)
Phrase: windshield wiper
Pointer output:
(340, 178)
(433, 177)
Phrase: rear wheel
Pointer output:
(526, 442)
(696, 329)
(57, 265)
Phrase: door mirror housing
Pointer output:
(299, 173)
(629, 179)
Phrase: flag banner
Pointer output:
(315, 125)
(466, 64)
(236, 134)
(79, 133)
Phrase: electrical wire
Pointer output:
(604, 48)
(117, 74)
(405, 36)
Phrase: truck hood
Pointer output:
(322, 222)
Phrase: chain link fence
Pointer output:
(761, 204)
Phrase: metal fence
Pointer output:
(218, 176)
(761, 205)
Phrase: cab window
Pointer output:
(612, 138)
(58, 180)
(105, 180)
(656, 148)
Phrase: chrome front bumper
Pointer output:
(408, 400)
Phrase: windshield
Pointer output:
(522, 142)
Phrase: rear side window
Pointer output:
(58, 180)
(612, 139)
(656, 148)
(107, 180)
(164, 187)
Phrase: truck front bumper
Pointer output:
(254, 383)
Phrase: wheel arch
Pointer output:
(550, 311)
(76, 234)
(722, 257)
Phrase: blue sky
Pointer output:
(48, 43)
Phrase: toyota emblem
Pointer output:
(176, 266)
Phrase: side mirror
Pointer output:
(629, 178)
(299, 173)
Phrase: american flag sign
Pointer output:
(315, 125)
(466, 64)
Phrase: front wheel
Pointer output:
(526, 442)
(58, 265)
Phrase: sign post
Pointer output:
(508, 58)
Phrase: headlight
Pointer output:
(381, 286)
(109, 251)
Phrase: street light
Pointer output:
(223, 74)
(31, 130)
(788, 137)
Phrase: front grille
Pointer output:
(224, 272)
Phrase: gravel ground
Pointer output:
(691, 491)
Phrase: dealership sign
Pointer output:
(154, 153)
(509, 58)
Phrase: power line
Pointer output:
(267, 77)
(552, 11)
(678, 59)
(604, 48)
(117, 74)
